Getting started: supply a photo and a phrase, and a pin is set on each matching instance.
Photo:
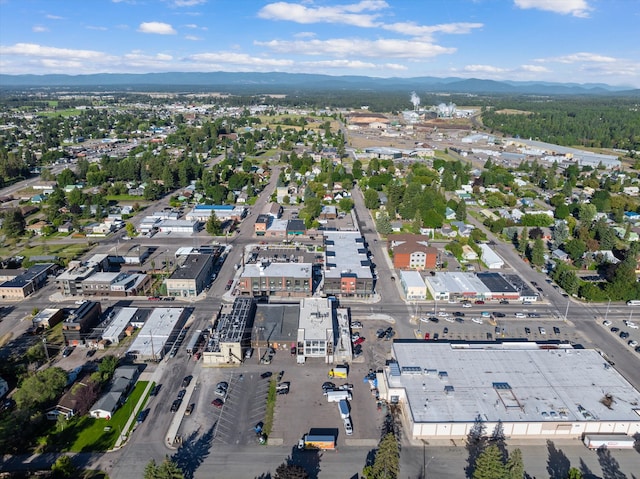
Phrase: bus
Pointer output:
(633, 302)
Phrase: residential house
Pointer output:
(468, 253)
(123, 380)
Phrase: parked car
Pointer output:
(217, 402)
(175, 405)
(606, 322)
(479, 301)
(328, 386)
(504, 301)
(356, 325)
(556, 330)
(520, 315)
(527, 330)
(615, 330)
(266, 375)
(142, 415)
(189, 409)
(182, 393)
(67, 351)
(459, 314)
(542, 330)
(155, 390)
(498, 314)
(186, 381)
(466, 305)
(358, 341)
(624, 335)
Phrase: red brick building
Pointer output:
(412, 252)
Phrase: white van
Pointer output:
(348, 428)
(337, 396)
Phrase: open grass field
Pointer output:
(66, 251)
(86, 434)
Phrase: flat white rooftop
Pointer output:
(316, 317)
(509, 382)
(121, 320)
(458, 283)
(346, 254)
(412, 279)
(277, 270)
(156, 331)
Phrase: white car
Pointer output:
(520, 315)
(356, 325)
(606, 322)
(630, 324)
(477, 320)
(443, 314)
(450, 319)
(466, 305)
(633, 343)
(542, 331)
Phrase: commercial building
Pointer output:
(70, 281)
(231, 334)
(178, 226)
(276, 279)
(191, 277)
(413, 286)
(28, 282)
(347, 268)
(153, 339)
(115, 330)
(316, 335)
(47, 318)
(445, 286)
(532, 390)
(275, 326)
(490, 258)
(202, 213)
(77, 326)
(116, 284)
(412, 252)
(262, 223)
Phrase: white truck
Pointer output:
(337, 396)
(609, 441)
(343, 407)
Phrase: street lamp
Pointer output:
(46, 351)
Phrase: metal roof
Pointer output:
(510, 382)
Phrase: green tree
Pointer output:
(386, 464)
(66, 177)
(13, 224)
(291, 471)
(345, 204)
(559, 234)
(489, 464)
(64, 468)
(537, 252)
(213, 225)
(131, 230)
(461, 211)
(586, 213)
(515, 465)
(575, 248)
(166, 470)
(383, 224)
(574, 473)
(371, 199)
(107, 367)
(523, 242)
(41, 388)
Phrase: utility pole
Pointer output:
(567, 310)
(46, 351)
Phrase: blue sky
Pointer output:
(578, 41)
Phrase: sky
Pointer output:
(567, 41)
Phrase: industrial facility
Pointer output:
(534, 390)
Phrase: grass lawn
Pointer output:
(87, 434)
(66, 251)
(66, 112)
(118, 198)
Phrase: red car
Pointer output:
(427, 336)
(479, 302)
(217, 402)
(360, 340)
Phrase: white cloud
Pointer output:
(35, 50)
(535, 68)
(342, 47)
(577, 8)
(54, 17)
(95, 27)
(238, 59)
(39, 29)
(157, 28)
(304, 35)
(483, 69)
(350, 14)
(339, 64)
(193, 38)
(188, 3)
(191, 25)
(426, 31)
(580, 57)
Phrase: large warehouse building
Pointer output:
(534, 390)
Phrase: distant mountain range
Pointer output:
(284, 82)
